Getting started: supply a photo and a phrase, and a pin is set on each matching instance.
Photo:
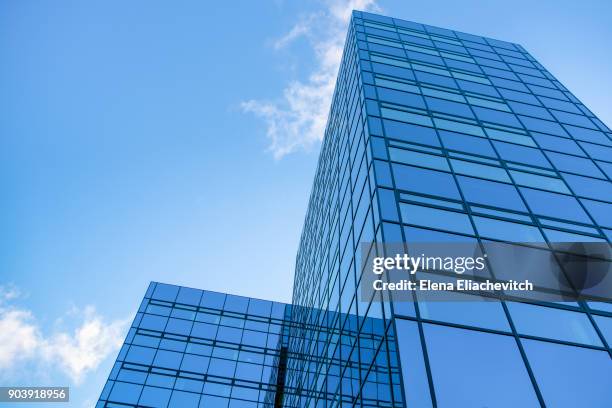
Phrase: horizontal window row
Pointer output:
(449, 37)
(496, 111)
(402, 126)
(525, 74)
(500, 195)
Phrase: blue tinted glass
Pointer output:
(168, 359)
(160, 380)
(212, 300)
(553, 323)
(569, 376)
(153, 322)
(419, 159)
(461, 365)
(605, 326)
(400, 98)
(383, 173)
(189, 296)
(179, 326)
(558, 144)
(521, 154)
(574, 164)
(195, 363)
(453, 108)
(435, 79)
(465, 143)
(140, 355)
(260, 307)
(186, 384)
(602, 212)
(588, 187)
(125, 392)
(213, 401)
(544, 126)
(480, 170)
(503, 118)
(490, 193)
(596, 151)
(543, 182)
(413, 366)
(425, 181)
(470, 312)
(562, 236)
(519, 96)
(393, 71)
(606, 167)
(530, 110)
(477, 88)
(165, 292)
(434, 218)
(204, 330)
(554, 205)
(388, 205)
(507, 231)
(236, 304)
(229, 334)
(155, 397)
(221, 367)
(585, 134)
(410, 133)
(182, 399)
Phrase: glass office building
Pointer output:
(433, 135)
(194, 348)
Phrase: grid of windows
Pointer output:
(351, 343)
(194, 348)
(473, 139)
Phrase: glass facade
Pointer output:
(471, 138)
(433, 135)
(194, 348)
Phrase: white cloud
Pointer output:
(83, 350)
(19, 337)
(297, 121)
(75, 353)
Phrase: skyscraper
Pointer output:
(435, 135)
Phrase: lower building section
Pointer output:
(194, 348)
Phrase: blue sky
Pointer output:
(178, 141)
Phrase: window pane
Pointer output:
(465, 143)
(554, 205)
(521, 154)
(491, 193)
(507, 231)
(545, 183)
(570, 377)
(425, 181)
(574, 164)
(434, 218)
(602, 212)
(470, 312)
(419, 159)
(605, 325)
(588, 187)
(473, 369)
(480, 170)
(553, 323)
(416, 385)
(411, 133)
